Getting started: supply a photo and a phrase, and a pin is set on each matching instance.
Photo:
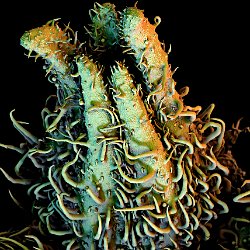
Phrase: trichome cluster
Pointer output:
(123, 163)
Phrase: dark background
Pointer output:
(210, 45)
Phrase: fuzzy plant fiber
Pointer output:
(124, 162)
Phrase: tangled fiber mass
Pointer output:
(124, 163)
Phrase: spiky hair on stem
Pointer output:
(124, 163)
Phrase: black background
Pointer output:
(210, 45)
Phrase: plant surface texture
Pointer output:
(124, 162)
